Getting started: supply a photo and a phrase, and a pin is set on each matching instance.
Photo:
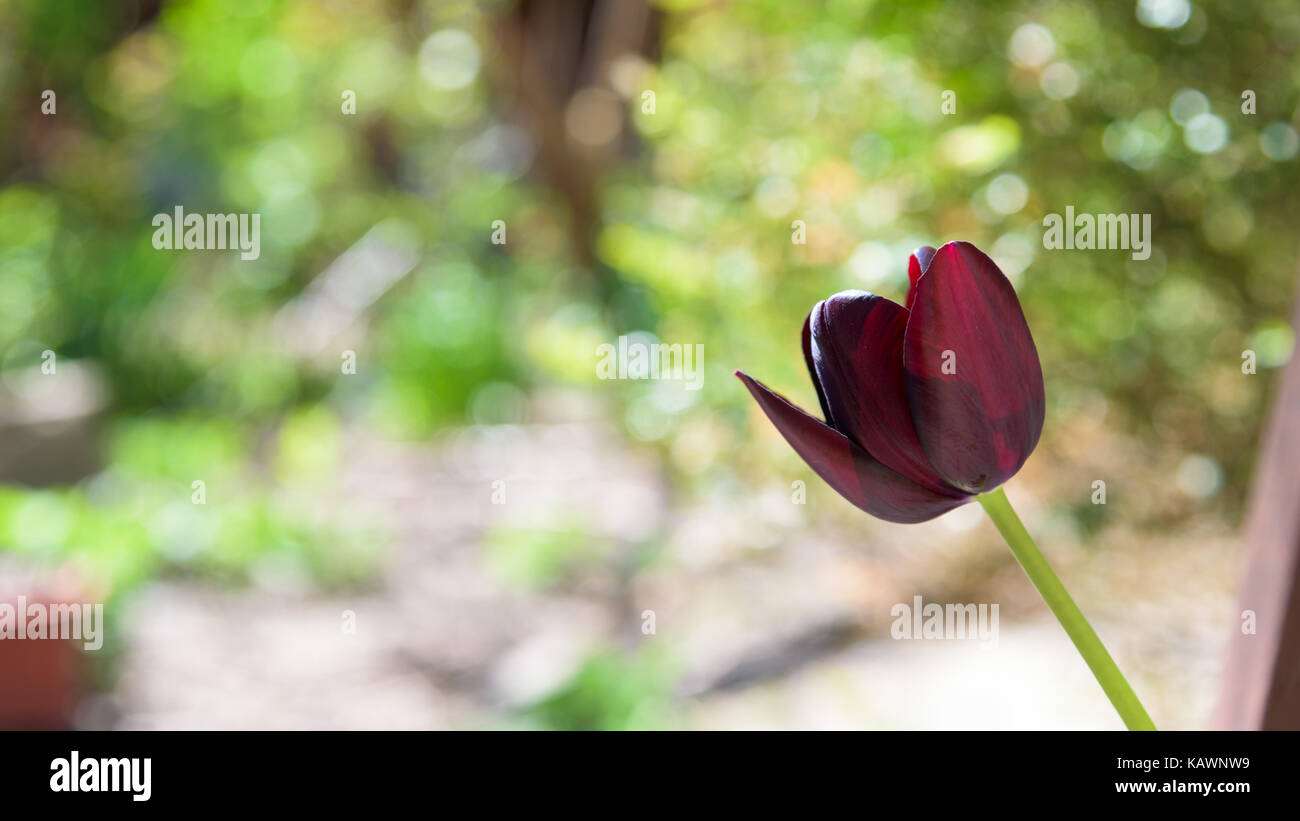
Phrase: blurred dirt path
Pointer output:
(777, 623)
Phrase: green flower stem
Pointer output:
(1067, 612)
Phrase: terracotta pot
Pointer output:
(41, 680)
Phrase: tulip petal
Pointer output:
(857, 351)
(979, 422)
(916, 265)
(812, 368)
(846, 467)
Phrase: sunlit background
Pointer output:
(522, 544)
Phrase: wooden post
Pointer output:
(1261, 688)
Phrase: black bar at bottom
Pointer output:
(440, 771)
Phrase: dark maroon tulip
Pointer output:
(926, 406)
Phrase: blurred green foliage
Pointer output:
(538, 556)
(612, 690)
(833, 115)
(139, 517)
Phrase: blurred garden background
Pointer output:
(519, 543)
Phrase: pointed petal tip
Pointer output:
(917, 264)
(965, 250)
(846, 467)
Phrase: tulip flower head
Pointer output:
(926, 405)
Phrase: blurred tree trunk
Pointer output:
(1262, 680)
(554, 51)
